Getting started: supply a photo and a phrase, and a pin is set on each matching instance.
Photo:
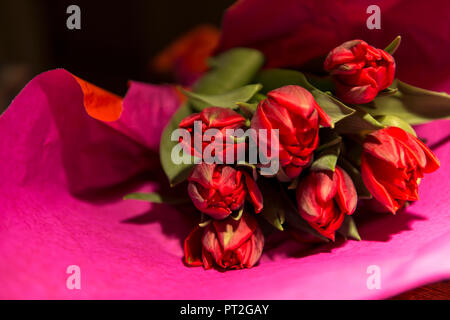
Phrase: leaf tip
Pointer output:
(393, 46)
(128, 196)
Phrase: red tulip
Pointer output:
(392, 163)
(213, 118)
(218, 190)
(294, 112)
(226, 243)
(359, 71)
(324, 198)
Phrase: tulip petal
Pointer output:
(326, 183)
(229, 180)
(197, 199)
(296, 99)
(307, 202)
(254, 192)
(211, 244)
(232, 234)
(324, 119)
(257, 248)
(424, 157)
(376, 188)
(193, 247)
(250, 252)
(292, 171)
(409, 143)
(217, 117)
(433, 162)
(100, 104)
(346, 191)
(384, 147)
(189, 120)
(318, 202)
(202, 174)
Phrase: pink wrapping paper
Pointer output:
(130, 249)
(63, 174)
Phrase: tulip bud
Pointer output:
(217, 118)
(324, 198)
(359, 71)
(294, 112)
(392, 163)
(228, 244)
(218, 190)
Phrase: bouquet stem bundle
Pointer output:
(334, 141)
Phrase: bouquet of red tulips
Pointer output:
(269, 150)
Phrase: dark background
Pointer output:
(116, 41)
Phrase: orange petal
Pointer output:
(99, 103)
(194, 47)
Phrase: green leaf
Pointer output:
(325, 162)
(322, 83)
(360, 122)
(273, 210)
(230, 70)
(327, 158)
(237, 215)
(176, 173)
(328, 138)
(413, 105)
(348, 229)
(274, 215)
(258, 98)
(275, 78)
(155, 198)
(392, 47)
(356, 177)
(387, 92)
(204, 220)
(279, 208)
(393, 121)
(335, 109)
(226, 100)
(247, 109)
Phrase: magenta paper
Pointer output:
(130, 249)
(63, 175)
